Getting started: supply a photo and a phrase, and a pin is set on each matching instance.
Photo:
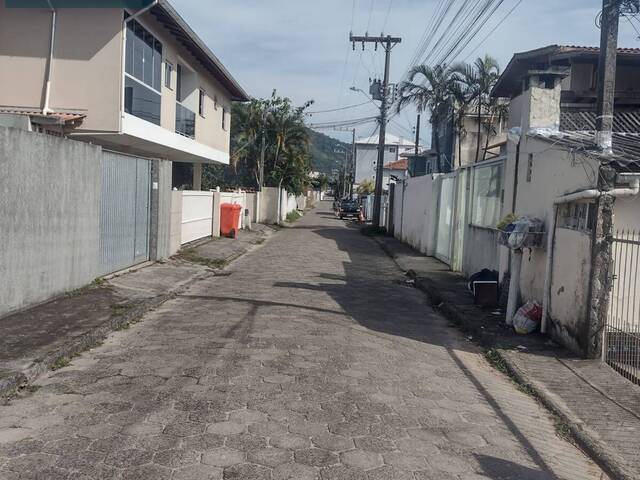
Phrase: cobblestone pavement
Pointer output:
(311, 360)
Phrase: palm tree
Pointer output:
(478, 80)
(461, 102)
(428, 88)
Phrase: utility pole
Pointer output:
(352, 168)
(417, 149)
(607, 73)
(610, 22)
(387, 42)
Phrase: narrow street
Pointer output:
(309, 360)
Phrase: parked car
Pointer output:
(349, 208)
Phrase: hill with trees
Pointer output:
(322, 152)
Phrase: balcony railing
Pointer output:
(185, 121)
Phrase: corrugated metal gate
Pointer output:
(444, 217)
(124, 211)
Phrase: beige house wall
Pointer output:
(86, 68)
(209, 129)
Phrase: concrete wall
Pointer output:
(49, 228)
(554, 172)
(197, 215)
(627, 214)
(268, 205)
(367, 157)
(481, 250)
(50, 198)
(165, 209)
(288, 203)
(415, 223)
(175, 237)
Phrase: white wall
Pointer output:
(175, 229)
(415, 223)
(268, 205)
(367, 158)
(197, 215)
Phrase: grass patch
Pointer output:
(97, 283)
(120, 309)
(191, 255)
(496, 361)
(31, 388)
(563, 430)
(371, 231)
(60, 362)
(293, 216)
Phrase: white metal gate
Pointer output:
(444, 228)
(124, 211)
(621, 334)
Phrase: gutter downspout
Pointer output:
(631, 191)
(124, 53)
(47, 88)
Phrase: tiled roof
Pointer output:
(626, 148)
(624, 121)
(58, 117)
(579, 49)
(397, 165)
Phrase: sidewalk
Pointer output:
(48, 335)
(595, 405)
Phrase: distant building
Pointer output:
(367, 155)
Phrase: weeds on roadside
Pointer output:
(60, 362)
(191, 255)
(293, 216)
(120, 309)
(97, 283)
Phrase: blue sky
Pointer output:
(299, 47)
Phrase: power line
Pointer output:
(340, 108)
(386, 18)
(494, 29)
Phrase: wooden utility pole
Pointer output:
(387, 42)
(417, 150)
(607, 73)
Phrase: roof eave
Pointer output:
(224, 76)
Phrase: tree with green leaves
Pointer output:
(278, 125)
(428, 89)
(477, 81)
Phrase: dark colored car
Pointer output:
(349, 208)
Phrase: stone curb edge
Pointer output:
(584, 440)
(92, 338)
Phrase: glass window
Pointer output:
(157, 64)
(168, 71)
(487, 195)
(179, 83)
(141, 101)
(224, 118)
(143, 56)
(201, 96)
(129, 49)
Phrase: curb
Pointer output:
(586, 442)
(16, 380)
(589, 445)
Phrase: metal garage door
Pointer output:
(124, 211)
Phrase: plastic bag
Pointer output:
(527, 319)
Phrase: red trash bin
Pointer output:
(229, 219)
